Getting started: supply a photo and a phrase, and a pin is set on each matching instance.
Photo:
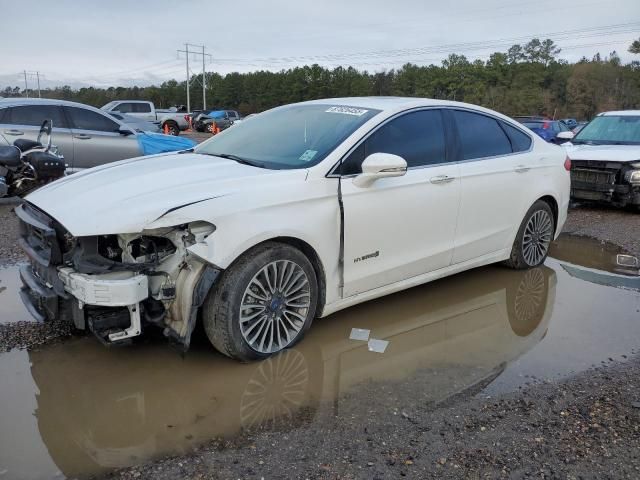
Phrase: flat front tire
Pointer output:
(263, 304)
(531, 246)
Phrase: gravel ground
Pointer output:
(621, 227)
(10, 253)
(586, 427)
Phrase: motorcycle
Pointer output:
(27, 165)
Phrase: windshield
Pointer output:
(295, 136)
(611, 130)
(108, 106)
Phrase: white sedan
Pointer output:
(304, 210)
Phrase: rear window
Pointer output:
(141, 108)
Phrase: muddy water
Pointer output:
(79, 408)
(11, 309)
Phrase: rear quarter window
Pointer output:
(520, 141)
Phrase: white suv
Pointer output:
(302, 211)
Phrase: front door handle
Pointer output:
(82, 136)
(522, 169)
(13, 132)
(442, 179)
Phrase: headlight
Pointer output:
(633, 177)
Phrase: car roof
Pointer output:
(397, 104)
(621, 113)
(17, 101)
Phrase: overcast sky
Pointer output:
(125, 42)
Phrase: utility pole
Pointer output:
(204, 81)
(26, 86)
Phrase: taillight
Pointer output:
(186, 117)
(567, 164)
(546, 125)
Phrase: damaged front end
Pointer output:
(616, 183)
(115, 285)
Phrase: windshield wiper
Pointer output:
(188, 150)
(236, 158)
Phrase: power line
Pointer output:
(204, 76)
(583, 32)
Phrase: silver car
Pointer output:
(85, 135)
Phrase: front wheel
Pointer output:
(531, 246)
(263, 304)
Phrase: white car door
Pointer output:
(400, 227)
(496, 174)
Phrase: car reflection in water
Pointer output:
(104, 408)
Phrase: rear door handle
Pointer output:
(522, 168)
(442, 179)
(82, 136)
(13, 132)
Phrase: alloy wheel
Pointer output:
(537, 237)
(275, 306)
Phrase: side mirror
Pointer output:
(380, 165)
(565, 136)
(125, 131)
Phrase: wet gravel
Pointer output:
(10, 252)
(586, 427)
(621, 227)
(31, 334)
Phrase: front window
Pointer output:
(610, 130)
(295, 136)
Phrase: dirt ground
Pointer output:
(587, 426)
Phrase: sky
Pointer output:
(135, 42)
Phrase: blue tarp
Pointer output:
(152, 143)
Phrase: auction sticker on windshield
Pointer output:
(358, 112)
(308, 155)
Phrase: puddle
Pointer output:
(79, 408)
(590, 253)
(11, 308)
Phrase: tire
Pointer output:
(290, 276)
(210, 128)
(172, 127)
(538, 226)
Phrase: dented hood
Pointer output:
(607, 153)
(126, 196)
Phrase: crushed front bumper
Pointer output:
(603, 182)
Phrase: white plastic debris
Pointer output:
(359, 334)
(378, 346)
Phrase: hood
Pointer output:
(611, 153)
(125, 196)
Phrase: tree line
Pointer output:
(527, 79)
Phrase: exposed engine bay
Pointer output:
(112, 285)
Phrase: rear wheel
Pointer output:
(171, 128)
(531, 246)
(263, 304)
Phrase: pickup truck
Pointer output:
(173, 120)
